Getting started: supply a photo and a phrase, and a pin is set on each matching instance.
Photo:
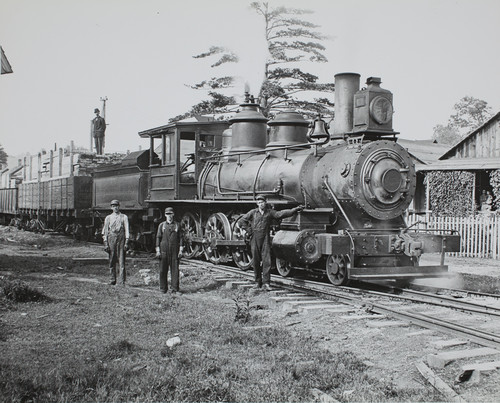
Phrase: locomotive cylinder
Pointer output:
(346, 85)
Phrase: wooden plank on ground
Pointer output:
(438, 383)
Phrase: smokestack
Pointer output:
(346, 85)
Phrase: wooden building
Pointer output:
(478, 153)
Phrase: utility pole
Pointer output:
(104, 99)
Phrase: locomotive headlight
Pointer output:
(386, 179)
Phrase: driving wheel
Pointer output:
(217, 227)
(191, 228)
(242, 256)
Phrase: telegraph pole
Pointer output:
(104, 99)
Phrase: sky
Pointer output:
(68, 54)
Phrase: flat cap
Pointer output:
(169, 210)
(96, 110)
(115, 202)
(261, 197)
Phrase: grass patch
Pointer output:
(106, 343)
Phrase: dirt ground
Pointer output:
(391, 352)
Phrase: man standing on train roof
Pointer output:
(98, 129)
(257, 223)
(169, 249)
(115, 234)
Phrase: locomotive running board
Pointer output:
(401, 272)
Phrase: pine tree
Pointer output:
(292, 43)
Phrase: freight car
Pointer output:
(69, 192)
(355, 184)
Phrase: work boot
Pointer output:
(267, 287)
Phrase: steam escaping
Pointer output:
(251, 47)
(453, 281)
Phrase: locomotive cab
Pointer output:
(181, 147)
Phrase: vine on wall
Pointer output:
(495, 184)
(450, 193)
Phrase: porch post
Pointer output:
(474, 193)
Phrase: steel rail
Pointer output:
(441, 300)
(457, 290)
(346, 295)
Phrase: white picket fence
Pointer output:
(480, 235)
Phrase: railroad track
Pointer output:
(379, 302)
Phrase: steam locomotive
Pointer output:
(355, 183)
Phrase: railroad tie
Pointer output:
(440, 360)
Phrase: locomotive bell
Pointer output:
(249, 128)
(287, 128)
(318, 131)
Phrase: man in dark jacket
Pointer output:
(98, 129)
(257, 223)
(169, 249)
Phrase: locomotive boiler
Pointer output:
(355, 183)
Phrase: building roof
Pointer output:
(425, 151)
(190, 122)
(461, 164)
(451, 151)
(5, 66)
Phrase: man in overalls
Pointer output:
(257, 223)
(169, 249)
(115, 234)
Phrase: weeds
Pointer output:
(243, 305)
(19, 291)
(119, 349)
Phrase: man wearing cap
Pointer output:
(169, 249)
(257, 223)
(115, 234)
(98, 129)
